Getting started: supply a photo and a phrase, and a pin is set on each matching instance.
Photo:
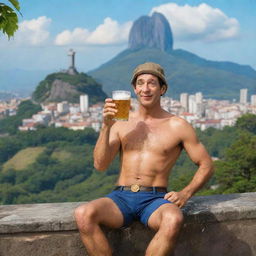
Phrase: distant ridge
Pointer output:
(151, 39)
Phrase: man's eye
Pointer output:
(153, 82)
(139, 82)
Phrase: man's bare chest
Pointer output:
(155, 138)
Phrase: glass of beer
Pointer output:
(122, 99)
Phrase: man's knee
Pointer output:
(85, 216)
(172, 221)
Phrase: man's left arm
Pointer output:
(200, 157)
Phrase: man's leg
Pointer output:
(167, 220)
(89, 216)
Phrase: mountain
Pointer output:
(151, 39)
(61, 86)
(154, 32)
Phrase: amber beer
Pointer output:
(122, 99)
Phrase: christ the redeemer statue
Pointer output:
(72, 69)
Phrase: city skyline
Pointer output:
(200, 112)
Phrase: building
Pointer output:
(184, 101)
(199, 97)
(253, 100)
(243, 96)
(84, 103)
(63, 107)
(203, 125)
(192, 104)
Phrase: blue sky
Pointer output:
(98, 30)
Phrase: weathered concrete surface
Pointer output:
(215, 226)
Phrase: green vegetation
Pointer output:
(237, 171)
(9, 17)
(247, 123)
(23, 158)
(60, 168)
(62, 158)
(25, 110)
(75, 86)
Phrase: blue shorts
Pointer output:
(137, 205)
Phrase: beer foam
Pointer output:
(121, 95)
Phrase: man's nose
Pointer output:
(145, 87)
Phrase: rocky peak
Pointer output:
(152, 32)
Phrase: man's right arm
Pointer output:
(108, 142)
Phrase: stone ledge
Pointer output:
(214, 225)
(59, 216)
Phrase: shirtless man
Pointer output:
(150, 143)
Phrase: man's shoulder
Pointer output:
(177, 122)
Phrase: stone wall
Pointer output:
(222, 225)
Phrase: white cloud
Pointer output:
(201, 22)
(108, 33)
(33, 32)
(77, 36)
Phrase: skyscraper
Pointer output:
(243, 96)
(199, 97)
(84, 103)
(253, 100)
(192, 108)
(184, 101)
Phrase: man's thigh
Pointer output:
(106, 212)
(157, 216)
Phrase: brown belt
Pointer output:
(137, 188)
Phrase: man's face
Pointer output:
(147, 89)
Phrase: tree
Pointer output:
(247, 122)
(9, 18)
(237, 172)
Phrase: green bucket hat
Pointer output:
(149, 68)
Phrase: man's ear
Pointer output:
(134, 89)
(163, 89)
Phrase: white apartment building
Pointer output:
(243, 96)
(84, 103)
(192, 104)
(184, 101)
(63, 107)
(199, 97)
(253, 100)
(42, 118)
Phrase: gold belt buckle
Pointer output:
(135, 188)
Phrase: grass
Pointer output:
(23, 158)
(62, 155)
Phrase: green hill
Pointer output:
(59, 87)
(185, 72)
(28, 156)
(23, 158)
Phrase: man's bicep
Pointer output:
(197, 153)
(194, 148)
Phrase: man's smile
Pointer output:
(146, 96)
